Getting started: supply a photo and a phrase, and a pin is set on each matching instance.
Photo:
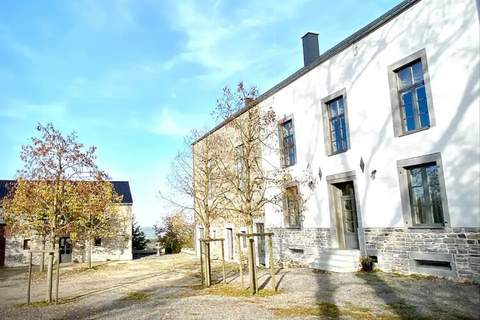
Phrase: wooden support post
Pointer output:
(251, 266)
(201, 263)
(50, 277)
(29, 276)
(240, 262)
(57, 280)
(207, 264)
(272, 271)
(223, 263)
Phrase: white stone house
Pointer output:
(14, 249)
(388, 122)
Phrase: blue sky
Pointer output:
(133, 77)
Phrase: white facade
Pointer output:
(449, 32)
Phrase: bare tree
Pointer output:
(195, 182)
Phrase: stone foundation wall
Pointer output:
(393, 246)
(299, 246)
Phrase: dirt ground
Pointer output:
(168, 287)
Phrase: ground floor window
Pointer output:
(424, 199)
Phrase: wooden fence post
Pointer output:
(240, 262)
(201, 262)
(58, 277)
(29, 276)
(223, 263)
(251, 266)
(50, 277)
(272, 271)
(208, 265)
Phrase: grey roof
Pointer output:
(121, 187)
(344, 44)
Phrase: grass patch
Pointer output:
(44, 303)
(136, 296)
(232, 291)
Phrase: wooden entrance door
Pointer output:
(65, 247)
(346, 213)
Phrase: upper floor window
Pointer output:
(410, 94)
(291, 203)
(423, 191)
(289, 153)
(335, 123)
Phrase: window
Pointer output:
(335, 122)
(214, 234)
(410, 94)
(244, 240)
(291, 207)
(423, 191)
(240, 163)
(98, 242)
(26, 244)
(289, 153)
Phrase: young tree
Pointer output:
(95, 214)
(139, 241)
(175, 232)
(195, 182)
(250, 182)
(45, 198)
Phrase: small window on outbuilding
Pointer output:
(98, 242)
(244, 240)
(26, 244)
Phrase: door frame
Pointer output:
(71, 249)
(348, 176)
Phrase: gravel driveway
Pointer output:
(167, 287)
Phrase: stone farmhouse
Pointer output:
(13, 249)
(387, 121)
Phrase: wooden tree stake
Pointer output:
(223, 263)
(29, 276)
(202, 272)
(240, 262)
(272, 271)
(57, 282)
(50, 277)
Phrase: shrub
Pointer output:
(367, 263)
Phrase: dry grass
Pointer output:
(136, 296)
(233, 291)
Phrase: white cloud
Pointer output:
(36, 111)
(169, 123)
(224, 42)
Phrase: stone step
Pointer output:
(337, 260)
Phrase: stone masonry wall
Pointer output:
(299, 246)
(393, 245)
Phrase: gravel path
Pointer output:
(167, 287)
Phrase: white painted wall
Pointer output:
(449, 31)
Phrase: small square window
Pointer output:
(287, 143)
(335, 123)
(26, 244)
(410, 94)
(423, 192)
(291, 204)
(98, 242)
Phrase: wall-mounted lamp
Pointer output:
(362, 164)
(319, 173)
(372, 174)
